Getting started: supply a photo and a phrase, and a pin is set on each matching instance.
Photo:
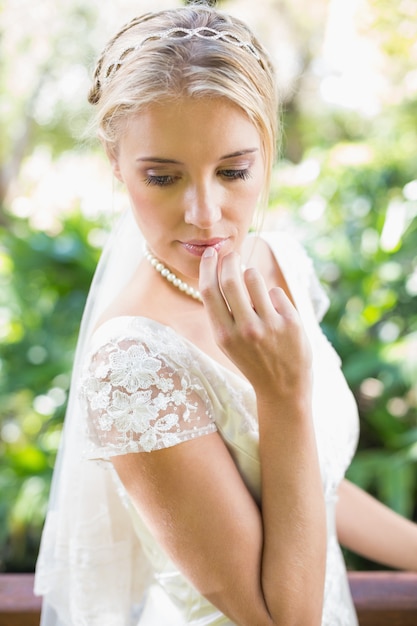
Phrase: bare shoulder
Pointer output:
(141, 296)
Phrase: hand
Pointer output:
(259, 331)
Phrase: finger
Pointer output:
(233, 286)
(258, 293)
(282, 304)
(209, 287)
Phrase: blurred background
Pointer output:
(346, 184)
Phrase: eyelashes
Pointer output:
(235, 174)
(160, 181)
(164, 180)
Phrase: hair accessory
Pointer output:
(171, 277)
(202, 32)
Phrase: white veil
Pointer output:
(90, 568)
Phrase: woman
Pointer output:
(200, 479)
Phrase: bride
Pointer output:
(201, 474)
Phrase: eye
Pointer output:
(160, 180)
(231, 174)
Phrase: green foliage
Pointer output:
(43, 286)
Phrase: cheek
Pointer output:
(149, 222)
(252, 193)
(134, 187)
(140, 196)
(152, 213)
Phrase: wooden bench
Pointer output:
(385, 598)
(381, 599)
(18, 605)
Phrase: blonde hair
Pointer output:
(155, 57)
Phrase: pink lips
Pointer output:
(197, 247)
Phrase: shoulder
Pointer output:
(284, 244)
(143, 335)
(139, 390)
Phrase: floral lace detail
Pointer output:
(139, 400)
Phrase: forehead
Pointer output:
(216, 125)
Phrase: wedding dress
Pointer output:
(143, 387)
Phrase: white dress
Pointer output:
(146, 387)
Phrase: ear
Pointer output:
(113, 158)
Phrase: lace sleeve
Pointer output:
(138, 400)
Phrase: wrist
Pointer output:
(277, 407)
(295, 395)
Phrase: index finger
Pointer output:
(210, 290)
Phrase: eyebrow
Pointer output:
(174, 161)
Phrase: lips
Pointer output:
(197, 246)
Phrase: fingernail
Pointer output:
(208, 252)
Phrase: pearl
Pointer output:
(172, 278)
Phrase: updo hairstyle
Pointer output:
(141, 65)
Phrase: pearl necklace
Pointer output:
(172, 278)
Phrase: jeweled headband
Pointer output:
(202, 32)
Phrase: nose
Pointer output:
(202, 206)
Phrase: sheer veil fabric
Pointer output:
(87, 535)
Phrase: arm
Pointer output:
(258, 567)
(373, 530)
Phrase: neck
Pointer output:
(172, 278)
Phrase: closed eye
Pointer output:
(164, 180)
(160, 180)
(242, 174)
